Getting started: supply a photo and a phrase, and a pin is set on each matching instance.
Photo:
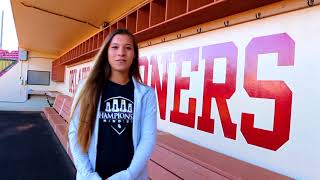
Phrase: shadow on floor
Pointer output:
(29, 149)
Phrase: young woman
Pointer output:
(112, 131)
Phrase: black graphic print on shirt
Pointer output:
(118, 113)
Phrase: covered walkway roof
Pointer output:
(63, 23)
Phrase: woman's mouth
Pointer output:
(121, 60)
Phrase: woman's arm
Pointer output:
(147, 141)
(81, 160)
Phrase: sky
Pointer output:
(9, 39)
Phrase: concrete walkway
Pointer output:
(29, 149)
(34, 103)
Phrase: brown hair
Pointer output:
(90, 93)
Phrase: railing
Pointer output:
(7, 60)
(6, 65)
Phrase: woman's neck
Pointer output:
(119, 78)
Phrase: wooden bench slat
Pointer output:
(66, 108)
(61, 132)
(58, 117)
(58, 103)
(220, 163)
(182, 167)
(49, 110)
(157, 172)
(55, 119)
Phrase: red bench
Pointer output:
(58, 117)
(173, 158)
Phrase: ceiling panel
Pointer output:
(53, 27)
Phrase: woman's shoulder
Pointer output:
(144, 87)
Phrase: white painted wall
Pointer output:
(300, 156)
(40, 62)
(11, 84)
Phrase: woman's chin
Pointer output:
(120, 70)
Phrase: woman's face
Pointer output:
(121, 53)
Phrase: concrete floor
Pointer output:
(34, 103)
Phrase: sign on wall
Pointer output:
(220, 92)
(249, 91)
(76, 75)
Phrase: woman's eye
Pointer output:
(129, 48)
(114, 47)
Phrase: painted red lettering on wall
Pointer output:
(278, 43)
(73, 80)
(161, 88)
(186, 119)
(220, 91)
(277, 90)
(76, 76)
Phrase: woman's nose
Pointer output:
(121, 51)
